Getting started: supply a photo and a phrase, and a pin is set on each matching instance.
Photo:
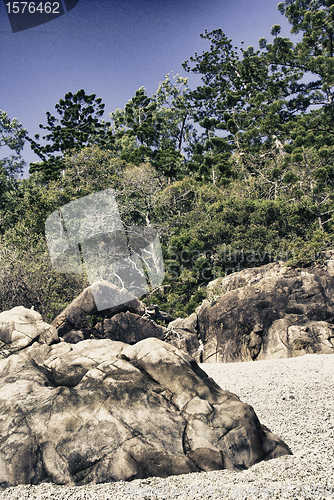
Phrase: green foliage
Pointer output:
(236, 173)
(304, 253)
(212, 236)
(156, 129)
(248, 97)
(137, 120)
(89, 170)
(12, 135)
(28, 279)
(79, 125)
(137, 195)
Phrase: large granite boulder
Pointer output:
(267, 313)
(82, 314)
(125, 322)
(129, 328)
(20, 327)
(101, 410)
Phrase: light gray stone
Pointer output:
(102, 411)
(20, 327)
(268, 312)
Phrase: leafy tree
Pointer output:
(28, 279)
(314, 53)
(260, 176)
(137, 121)
(174, 114)
(254, 95)
(30, 204)
(78, 125)
(26, 274)
(137, 195)
(211, 156)
(312, 58)
(12, 135)
(310, 177)
(87, 171)
(243, 95)
(309, 135)
(156, 129)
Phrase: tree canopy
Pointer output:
(79, 124)
(234, 173)
(13, 136)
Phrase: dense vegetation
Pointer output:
(235, 173)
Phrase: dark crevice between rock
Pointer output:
(146, 473)
(53, 342)
(65, 385)
(323, 294)
(80, 474)
(43, 370)
(185, 445)
(99, 408)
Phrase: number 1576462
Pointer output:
(33, 7)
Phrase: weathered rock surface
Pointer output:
(20, 327)
(268, 313)
(183, 333)
(129, 328)
(101, 410)
(82, 314)
(81, 320)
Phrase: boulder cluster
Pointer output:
(100, 396)
(269, 312)
(100, 409)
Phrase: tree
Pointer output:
(310, 177)
(26, 274)
(260, 176)
(211, 156)
(87, 171)
(28, 279)
(137, 195)
(79, 125)
(174, 114)
(312, 57)
(239, 93)
(256, 96)
(155, 129)
(314, 53)
(12, 135)
(137, 120)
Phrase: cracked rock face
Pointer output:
(101, 410)
(81, 320)
(269, 312)
(20, 327)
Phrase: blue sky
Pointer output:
(112, 48)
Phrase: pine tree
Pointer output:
(79, 125)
